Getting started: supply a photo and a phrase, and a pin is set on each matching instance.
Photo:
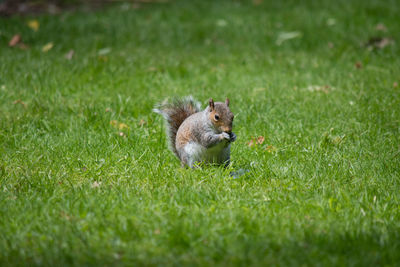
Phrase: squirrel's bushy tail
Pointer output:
(174, 113)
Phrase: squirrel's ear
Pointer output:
(227, 102)
(211, 103)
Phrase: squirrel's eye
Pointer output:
(216, 117)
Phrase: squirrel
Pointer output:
(196, 135)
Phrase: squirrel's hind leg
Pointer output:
(190, 154)
(184, 157)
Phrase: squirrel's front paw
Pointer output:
(226, 136)
(232, 137)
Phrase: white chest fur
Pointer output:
(217, 154)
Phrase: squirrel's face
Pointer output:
(221, 116)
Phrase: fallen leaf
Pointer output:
(257, 2)
(381, 27)
(260, 140)
(358, 65)
(250, 143)
(19, 101)
(16, 39)
(395, 84)
(255, 141)
(270, 148)
(118, 125)
(142, 122)
(384, 42)
(34, 25)
(122, 126)
(157, 231)
(70, 54)
(96, 184)
(378, 42)
(104, 51)
(47, 47)
(285, 36)
(317, 88)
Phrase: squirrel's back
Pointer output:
(175, 113)
(190, 128)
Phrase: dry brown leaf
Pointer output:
(16, 39)
(256, 141)
(260, 140)
(381, 27)
(96, 184)
(19, 101)
(47, 47)
(34, 25)
(395, 84)
(384, 42)
(122, 126)
(119, 125)
(250, 143)
(70, 54)
(379, 42)
(358, 65)
(142, 122)
(317, 88)
(270, 148)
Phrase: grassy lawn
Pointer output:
(85, 174)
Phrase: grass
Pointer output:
(323, 188)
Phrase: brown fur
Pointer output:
(225, 121)
(175, 113)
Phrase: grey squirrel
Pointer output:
(196, 135)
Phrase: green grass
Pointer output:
(323, 188)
